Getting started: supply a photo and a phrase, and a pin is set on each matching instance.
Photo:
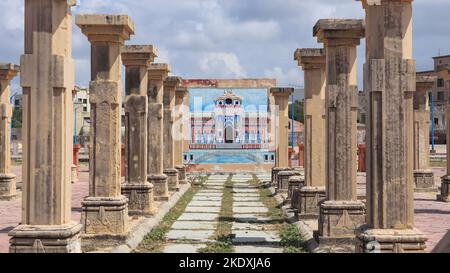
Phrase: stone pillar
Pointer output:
(341, 214)
(180, 98)
(170, 87)
(312, 60)
(156, 75)
(47, 79)
(423, 175)
(105, 210)
(390, 82)
(281, 133)
(136, 59)
(444, 195)
(7, 179)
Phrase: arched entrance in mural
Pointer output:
(229, 135)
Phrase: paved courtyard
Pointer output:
(252, 229)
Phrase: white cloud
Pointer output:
(289, 77)
(221, 64)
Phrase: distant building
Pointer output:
(82, 115)
(441, 94)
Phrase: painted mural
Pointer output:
(228, 126)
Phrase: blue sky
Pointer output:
(229, 38)
(203, 98)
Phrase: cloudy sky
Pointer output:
(229, 38)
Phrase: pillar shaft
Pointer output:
(313, 63)
(156, 76)
(282, 96)
(182, 110)
(7, 179)
(341, 214)
(105, 210)
(139, 192)
(170, 86)
(47, 79)
(390, 83)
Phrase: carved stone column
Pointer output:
(139, 192)
(423, 175)
(47, 79)
(390, 83)
(312, 60)
(180, 103)
(282, 96)
(105, 210)
(170, 87)
(7, 179)
(156, 75)
(341, 214)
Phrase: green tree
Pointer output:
(298, 111)
(17, 118)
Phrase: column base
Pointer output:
(390, 241)
(160, 187)
(283, 180)
(105, 215)
(445, 189)
(46, 239)
(7, 186)
(181, 174)
(275, 171)
(309, 202)
(172, 179)
(74, 174)
(340, 219)
(424, 181)
(140, 198)
(294, 182)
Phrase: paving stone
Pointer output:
(255, 237)
(207, 198)
(203, 209)
(246, 199)
(205, 204)
(210, 191)
(245, 191)
(251, 226)
(190, 235)
(246, 195)
(212, 194)
(251, 218)
(199, 217)
(250, 209)
(258, 249)
(190, 225)
(248, 204)
(183, 248)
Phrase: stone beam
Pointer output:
(313, 62)
(137, 59)
(47, 79)
(341, 214)
(7, 179)
(170, 87)
(105, 210)
(156, 75)
(390, 83)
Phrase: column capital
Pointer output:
(281, 91)
(339, 32)
(158, 71)
(310, 58)
(139, 55)
(8, 71)
(367, 3)
(172, 82)
(105, 27)
(425, 83)
(182, 91)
